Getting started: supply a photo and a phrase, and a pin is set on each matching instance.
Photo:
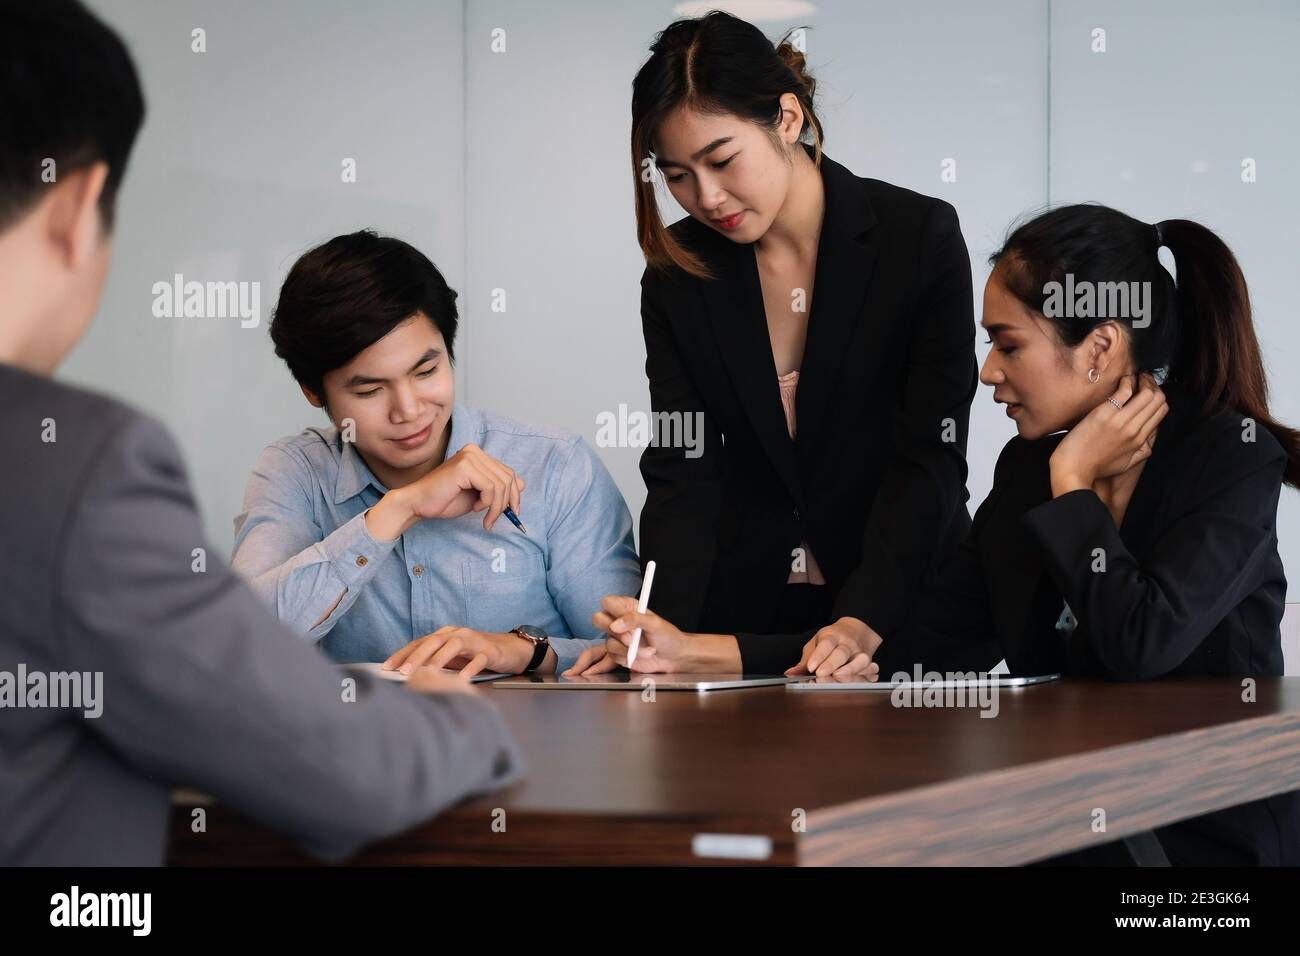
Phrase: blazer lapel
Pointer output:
(845, 262)
(1150, 494)
(1026, 591)
(735, 304)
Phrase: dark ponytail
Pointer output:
(1201, 332)
(1218, 355)
(718, 63)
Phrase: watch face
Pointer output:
(527, 630)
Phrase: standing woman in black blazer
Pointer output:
(819, 327)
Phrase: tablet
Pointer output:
(625, 680)
(373, 668)
(832, 684)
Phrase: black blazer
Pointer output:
(1192, 586)
(876, 481)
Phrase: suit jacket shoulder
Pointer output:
(894, 202)
(57, 436)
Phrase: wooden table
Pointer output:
(773, 776)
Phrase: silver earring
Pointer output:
(1094, 376)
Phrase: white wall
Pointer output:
(239, 170)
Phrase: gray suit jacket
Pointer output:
(201, 685)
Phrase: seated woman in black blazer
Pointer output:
(1130, 532)
(1117, 542)
(819, 327)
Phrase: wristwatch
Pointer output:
(540, 641)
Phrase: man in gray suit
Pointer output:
(127, 666)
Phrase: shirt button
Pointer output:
(501, 764)
(361, 560)
(418, 570)
(796, 514)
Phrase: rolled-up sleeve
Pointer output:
(591, 551)
(286, 558)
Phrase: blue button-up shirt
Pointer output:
(301, 541)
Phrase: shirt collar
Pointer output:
(466, 428)
(354, 474)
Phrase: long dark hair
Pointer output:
(716, 63)
(1198, 331)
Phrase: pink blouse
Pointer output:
(813, 574)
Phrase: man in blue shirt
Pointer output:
(364, 536)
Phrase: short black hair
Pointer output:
(68, 92)
(346, 294)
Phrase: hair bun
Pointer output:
(798, 66)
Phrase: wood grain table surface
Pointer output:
(778, 777)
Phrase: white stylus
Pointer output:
(641, 607)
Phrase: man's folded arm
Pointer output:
(311, 579)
